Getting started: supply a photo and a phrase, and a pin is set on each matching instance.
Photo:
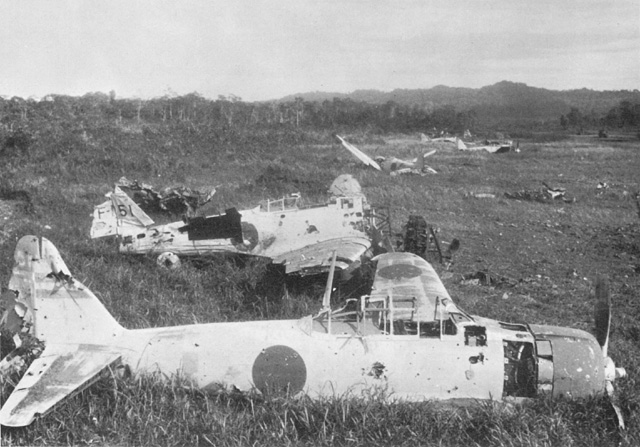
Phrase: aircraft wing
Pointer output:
(359, 154)
(317, 257)
(53, 377)
(414, 285)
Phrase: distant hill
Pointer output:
(504, 101)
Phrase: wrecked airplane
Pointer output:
(407, 340)
(391, 165)
(442, 139)
(301, 238)
(493, 147)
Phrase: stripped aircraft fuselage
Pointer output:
(406, 340)
(302, 238)
(272, 230)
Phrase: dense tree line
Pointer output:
(624, 115)
(21, 120)
(232, 112)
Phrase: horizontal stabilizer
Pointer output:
(52, 378)
(104, 222)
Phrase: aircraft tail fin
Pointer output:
(127, 211)
(77, 330)
(118, 215)
(59, 308)
(461, 145)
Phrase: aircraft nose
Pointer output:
(611, 372)
(579, 369)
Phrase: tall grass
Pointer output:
(551, 252)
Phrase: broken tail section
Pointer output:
(60, 309)
(78, 332)
(118, 216)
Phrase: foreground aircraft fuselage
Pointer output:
(407, 340)
(301, 238)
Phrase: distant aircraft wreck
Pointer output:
(493, 147)
(301, 238)
(391, 165)
(442, 139)
(407, 340)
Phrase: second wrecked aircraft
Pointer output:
(394, 166)
(302, 238)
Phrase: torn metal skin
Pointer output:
(407, 340)
(176, 201)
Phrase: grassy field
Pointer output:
(545, 255)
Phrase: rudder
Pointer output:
(60, 309)
(117, 216)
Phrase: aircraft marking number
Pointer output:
(125, 210)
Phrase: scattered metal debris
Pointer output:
(485, 278)
(543, 195)
(177, 201)
(481, 195)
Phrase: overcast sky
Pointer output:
(265, 49)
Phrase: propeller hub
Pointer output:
(612, 373)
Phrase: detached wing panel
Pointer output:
(317, 257)
(359, 154)
(52, 378)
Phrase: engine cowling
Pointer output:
(570, 362)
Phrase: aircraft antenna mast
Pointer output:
(326, 300)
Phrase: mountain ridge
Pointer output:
(504, 97)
